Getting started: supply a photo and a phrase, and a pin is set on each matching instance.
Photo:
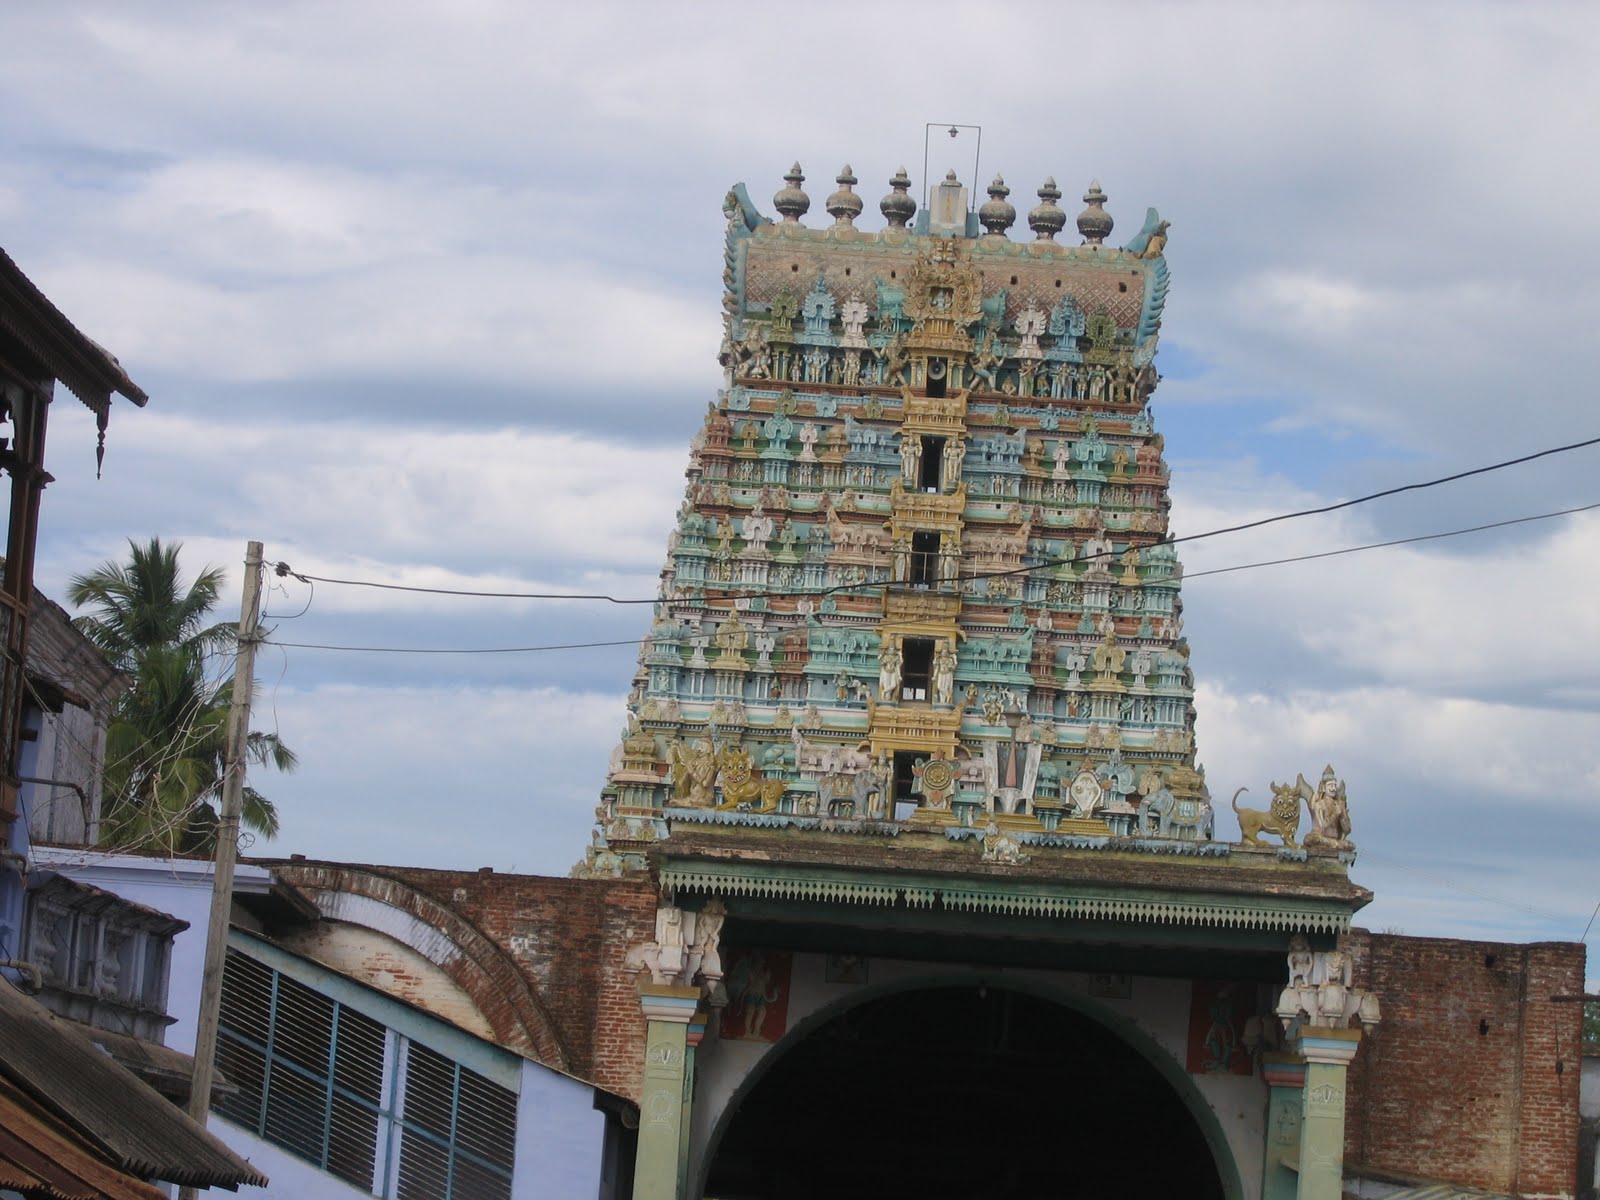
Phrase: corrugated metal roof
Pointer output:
(40, 1158)
(56, 1065)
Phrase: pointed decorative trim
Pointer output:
(1023, 899)
(716, 816)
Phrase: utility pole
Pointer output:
(205, 1038)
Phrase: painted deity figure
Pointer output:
(756, 354)
(902, 559)
(944, 674)
(889, 663)
(954, 451)
(766, 643)
(853, 316)
(758, 530)
(694, 772)
(787, 539)
(910, 456)
(893, 362)
(1030, 324)
(1097, 384)
(1108, 657)
(1063, 461)
(732, 637)
(1330, 813)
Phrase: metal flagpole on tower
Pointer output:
(954, 130)
(205, 1040)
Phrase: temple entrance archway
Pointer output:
(966, 1092)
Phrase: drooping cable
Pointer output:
(283, 568)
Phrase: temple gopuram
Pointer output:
(943, 909)
(920, 581)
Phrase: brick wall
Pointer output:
(568, 937)
(1473, 1075)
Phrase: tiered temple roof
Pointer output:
(919, 580)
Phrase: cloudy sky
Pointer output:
(428, 293)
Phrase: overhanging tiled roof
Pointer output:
(57, 1068)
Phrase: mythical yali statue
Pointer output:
(1330, 814)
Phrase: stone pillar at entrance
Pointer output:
(694, 1035)
(659, 1166)
(1318, 1009)
(1285, 1076)
(1327, 1052)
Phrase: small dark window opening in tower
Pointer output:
(924, 559)
(938, 376)
(905, 800)
(916, 668)
(932, 455)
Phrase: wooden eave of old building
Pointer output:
(64, 666)
(65, 353)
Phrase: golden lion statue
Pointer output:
(741, 784)
(1283, 818)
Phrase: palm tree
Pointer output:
(165, 749)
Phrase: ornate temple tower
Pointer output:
(916, 708)
(919, 577)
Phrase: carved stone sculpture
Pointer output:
(1001, 847)
(1282, 819)
(742, 783)
(944, 674)
(707, 942)
(694, 772)
(1301, 961)
(1321, 991)
(889, 662)
(1330, 814)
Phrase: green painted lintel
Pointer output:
(998, 896)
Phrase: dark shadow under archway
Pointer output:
(962, 1093)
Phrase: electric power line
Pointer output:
(283, 568)
(460, 650)
(1590, 925)
(1421, 537)
(1424, 537)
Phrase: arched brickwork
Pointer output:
(501, 992)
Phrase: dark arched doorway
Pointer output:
(961, 1093)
